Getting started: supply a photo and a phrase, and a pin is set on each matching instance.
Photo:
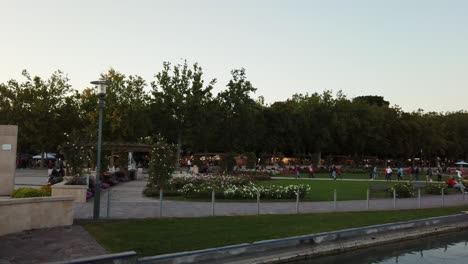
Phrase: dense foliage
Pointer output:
(240, 186)
(180, 106)
(403, 190)
(30, 192)
(162, 163)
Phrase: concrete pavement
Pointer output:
(127, 201)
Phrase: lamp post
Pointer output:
(101, 85)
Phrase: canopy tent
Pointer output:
(45, 156)
(461, 163)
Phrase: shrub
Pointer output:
(112, 181)
(403, 190)
(197, 162)
(251, 160)
(119, 174)
(253, 175)
(124, 179)
(47, 190)
(77, 180)
(162, 163)
(29, 192)
(228, 162)
(266, 192)
(436, 188)
(208, 181)
(247, 191)
(55, 180)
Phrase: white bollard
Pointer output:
(108, 202)
(368, 194)
(160, 202)
(213, 202)
(297, 202)
(419, 198)
(258, 202)
(443, 197)
(334, 199)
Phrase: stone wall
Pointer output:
(8, 143)
(21, 214)
(76, 191)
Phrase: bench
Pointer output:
(377, 188)
(418, 185)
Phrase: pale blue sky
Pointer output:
(414, 53)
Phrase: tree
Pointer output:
(181, 96)
(239, 111)
(372, 100)
(38, 107)
(162, 163)
(127, 104)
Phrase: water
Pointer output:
(448, 249)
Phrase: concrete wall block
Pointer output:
(21, 214)
(8, 147)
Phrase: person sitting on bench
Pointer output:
(451, 182)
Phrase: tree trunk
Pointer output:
(179, 142)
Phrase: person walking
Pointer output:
(298, 172)
(388, 173)
(338, 173)
(439, 175)
(400, 173)
(374, 173)
(429, 174)
(311, 171)
(416, 173)
(333, 172)
(189, 165)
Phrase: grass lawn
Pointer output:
(320, 191)
(326, 175)
(323, 190)
(159, 236)
(346, 190)
(365, 176)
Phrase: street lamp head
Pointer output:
(102, 84)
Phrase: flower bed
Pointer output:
(267, 192)
(229, 187)
(208, 181)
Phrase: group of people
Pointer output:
(414, 173)
(335, 172)
(311, 168)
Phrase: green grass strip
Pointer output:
(149, 237)
(346, 190)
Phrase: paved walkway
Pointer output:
(47, 245)
(127, 201)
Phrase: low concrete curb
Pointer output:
(129, 257)
(302, 247)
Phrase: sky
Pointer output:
(412, 52)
